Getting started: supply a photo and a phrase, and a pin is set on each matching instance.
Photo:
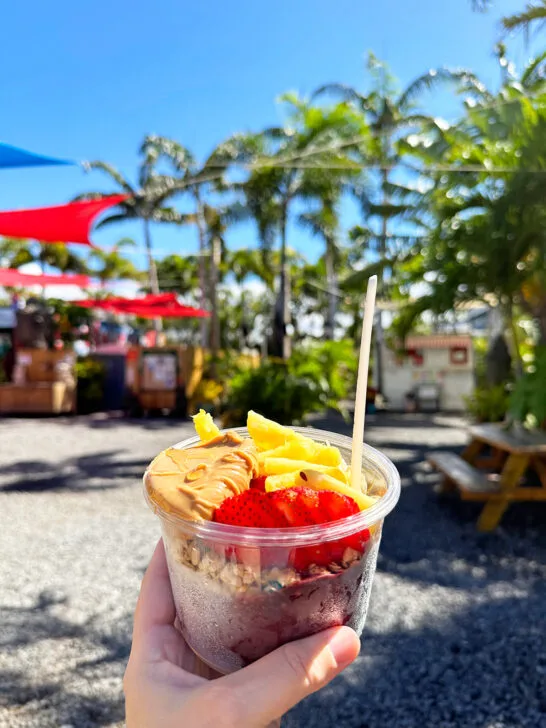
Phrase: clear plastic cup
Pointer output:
(242, 592)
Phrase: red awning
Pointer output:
(63, 223)
(439, 341)
(11, 277)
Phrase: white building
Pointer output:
(439, 363)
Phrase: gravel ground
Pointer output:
(455, 637)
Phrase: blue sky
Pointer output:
(88, 81)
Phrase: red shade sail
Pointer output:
(63, 223)
(11, 277)
(163, 305)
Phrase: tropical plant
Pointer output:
(113, 265)
(179, 274)
(386, 201)
(90, 375)
(528, 398)
(487, 234)
(275, 391)
(488, 404)
(15, 253)
(318, 377)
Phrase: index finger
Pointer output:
(155, 606)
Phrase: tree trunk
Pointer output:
(541, 322)
(152, 269)
(215, 259)
(331, 284)
(281, 340)
(381, 287)
(202, 270)
(516, 355)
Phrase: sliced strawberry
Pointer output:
(295, 507)
(258, 483)
(307, 555)
(335, 506)
(251, 509)
(300, 506)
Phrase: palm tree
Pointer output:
(488, 220)
(146, 201)
(296, 162)
(113, 265)
(391, 118)
(193, 179)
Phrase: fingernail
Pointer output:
(345, 646)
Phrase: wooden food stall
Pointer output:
(42, 382)
(162, 378)
(34, 377)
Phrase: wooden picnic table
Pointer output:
(498, 478)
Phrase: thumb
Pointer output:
(265, 690)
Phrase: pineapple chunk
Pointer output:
(204, 426)
(306, 449)
(280, 466)
(323, 481)
(268, 434)
(278, 482)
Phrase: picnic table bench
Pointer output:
(496, 479)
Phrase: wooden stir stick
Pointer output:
(362, 383)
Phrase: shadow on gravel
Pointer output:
(144, 423)
(479, 667)
(100, 471)
(69, 697)
(24, 626)
(334, 422)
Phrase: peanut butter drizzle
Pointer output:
(192, 483)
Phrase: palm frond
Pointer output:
(534, 72)
(124, 243)
(114, 174)
(461, 77)
(532, 18)
(357, 279)
(114, 219)
(346, 93)
(154, 148)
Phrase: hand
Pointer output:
(162, 689)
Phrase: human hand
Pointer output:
(162, 689)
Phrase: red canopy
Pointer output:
(63, 223)
(112, 302)
(164, 305)
(11, 277)
(175, 311)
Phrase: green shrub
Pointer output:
(90, 377)
(316, 377)
(528, 398)
(488, 404)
